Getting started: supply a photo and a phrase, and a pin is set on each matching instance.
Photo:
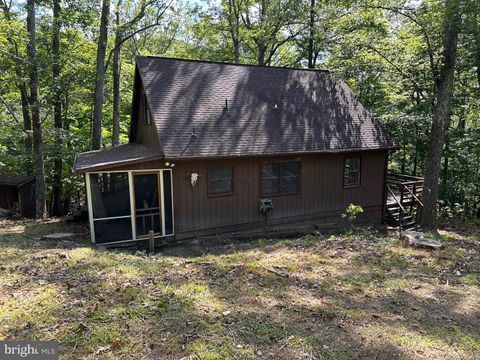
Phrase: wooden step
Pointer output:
(392, 206)
(409, 225)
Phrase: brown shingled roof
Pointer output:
(241, 110)
(12, 179)
(117, 155)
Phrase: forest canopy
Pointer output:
(67, 66)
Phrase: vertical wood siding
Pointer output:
(145, 134)
(321, 191)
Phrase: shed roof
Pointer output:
(12, 179)
(117, 155)
(211, 109)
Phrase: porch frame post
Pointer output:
(90, 207)
(132, 202)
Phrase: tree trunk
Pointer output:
(311, 25)
(476, 45)
(441, 114)
(66, 127)
(57, 190)
(100, 77)
(116, 78)
(27, 120)
(22, 88)
(35, 110)
(262, 50)
(234, 25)
(445, 165)
(116, 93)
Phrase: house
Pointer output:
(218, 147)
(17, 193)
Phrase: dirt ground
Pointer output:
(356, 295)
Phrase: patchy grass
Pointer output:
(358, 295)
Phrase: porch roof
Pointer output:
(12, 179)
(115, 156)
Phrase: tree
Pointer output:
(124, 32)
(100, 77)
(230, 12)
(20, 82)
(311, 37)
(39, 170)
(441, 113)
(270, 24)
(57, 190)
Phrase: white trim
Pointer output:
(163, 201)
(90, 208)
(113, 217)
(157, 172)
(131, 240)
(127, 171)
(131, 189)
(173, 210)
(131, 186)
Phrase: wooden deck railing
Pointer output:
(404, 199)
(407, 188)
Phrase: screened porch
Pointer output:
(126, 205)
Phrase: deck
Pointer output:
(404, 199)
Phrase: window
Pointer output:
(351, 173)
(220, 180)
(280, 178)
(147, 115)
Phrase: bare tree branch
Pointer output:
(399, 70)
(412, 17)
(12, 114)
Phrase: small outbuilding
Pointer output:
(17, 194)
(217, 147)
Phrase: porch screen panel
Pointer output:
(110, 195)
(110, 201)
(109, 230)
(167, 202)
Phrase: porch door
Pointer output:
(147, 203)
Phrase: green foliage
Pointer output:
(352, 212)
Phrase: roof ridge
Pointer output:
(233, 64)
